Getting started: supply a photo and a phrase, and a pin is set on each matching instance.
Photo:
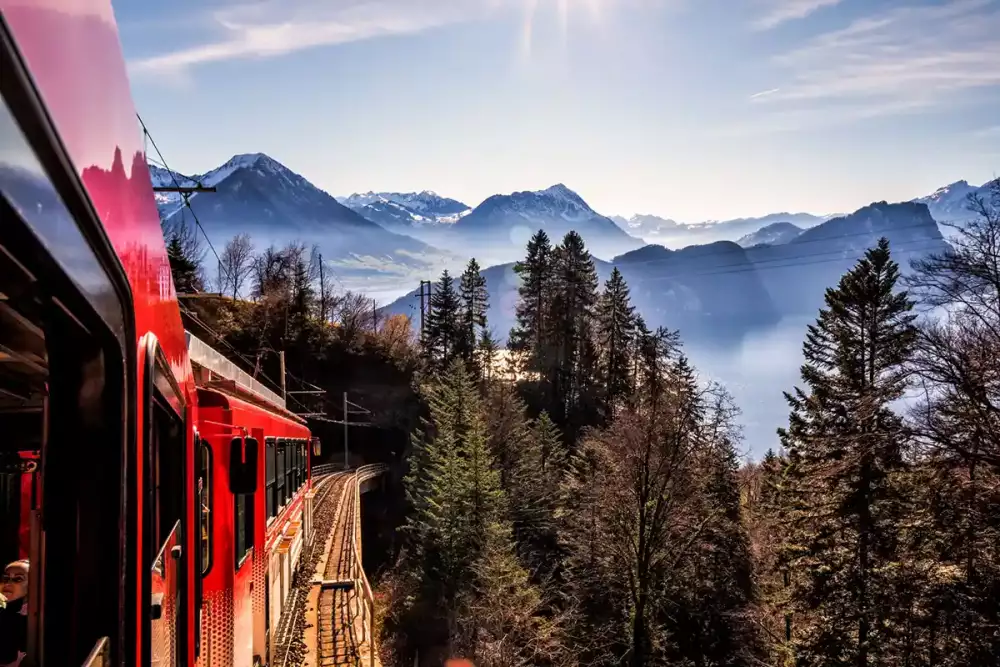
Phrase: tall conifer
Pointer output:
(847, 448)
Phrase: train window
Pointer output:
(165, 444)
(205, 506)
(269, 486)
(60, 392)
(243, 522)
(167, 468)
(280, 473)
(305, 461)
(295, 465)
(66, 350)
(289, 489)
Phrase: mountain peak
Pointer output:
(560, 190)
(251, 160)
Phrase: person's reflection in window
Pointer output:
(14, 614)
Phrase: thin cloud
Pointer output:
(782, 11)
(279, 27)
(764, 93)
(918, 57)
(988, 132)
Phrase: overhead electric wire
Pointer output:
(783, 245)
(172, 171)
(756, 266)
(750, 264)
(184, 197)
(194, 317)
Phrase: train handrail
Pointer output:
(363, 474)
(326, 469)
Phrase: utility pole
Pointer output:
(281, 358)
(347, 463)
(322, 289)
(421, 312)
(183, 190)
(425, 302)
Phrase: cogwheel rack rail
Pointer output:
(339, 606)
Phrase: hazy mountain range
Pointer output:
(258, 195)
(499, 227)
(721, 291)
(382, 241)
(740, 291)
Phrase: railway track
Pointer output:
(289, 647)
(331, 594)
(337, 642)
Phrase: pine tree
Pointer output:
(570, 332)
(470, 588)
(953, 540)
(302, 293)
(723, 632)
(847, 447)
(536, 271)
(616, 329)
(475, 303)
(443, 331)
(595, 588)
(653, 352)
(487, 350)
(456, 500)
(508, 620)
(538, 468)
(185, 265)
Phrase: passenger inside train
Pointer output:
(14, 613)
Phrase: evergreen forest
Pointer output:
(584, 496)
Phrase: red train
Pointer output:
(159, 496)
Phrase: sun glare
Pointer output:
(592, 9)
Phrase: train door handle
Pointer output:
(156, 608)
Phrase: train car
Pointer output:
(252, 540)
(146, 503)
(95, 378)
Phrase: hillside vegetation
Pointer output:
(588, 506)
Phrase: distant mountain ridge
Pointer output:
(721, 291)
(506, 222)
(774, 234)
(258, 195)
(654, 229)
(950, 204)
(377, 239)
(406, 209)
(797, 273)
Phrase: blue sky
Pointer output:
(690, 109)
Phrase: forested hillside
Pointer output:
(583, 499)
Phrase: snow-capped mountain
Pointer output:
(506, 222)
(797, 272)
(427, 203)
(258, 195)
(773, 234)
(168, 202)
(950, 204)
(406, 212)
(668, 232)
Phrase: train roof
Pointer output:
(213, 372)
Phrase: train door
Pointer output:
(66, 359)
(204, 487)
(164, 446)
(243, 533)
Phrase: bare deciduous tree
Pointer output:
(235, 265)
(354, 316)
(270, 272)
